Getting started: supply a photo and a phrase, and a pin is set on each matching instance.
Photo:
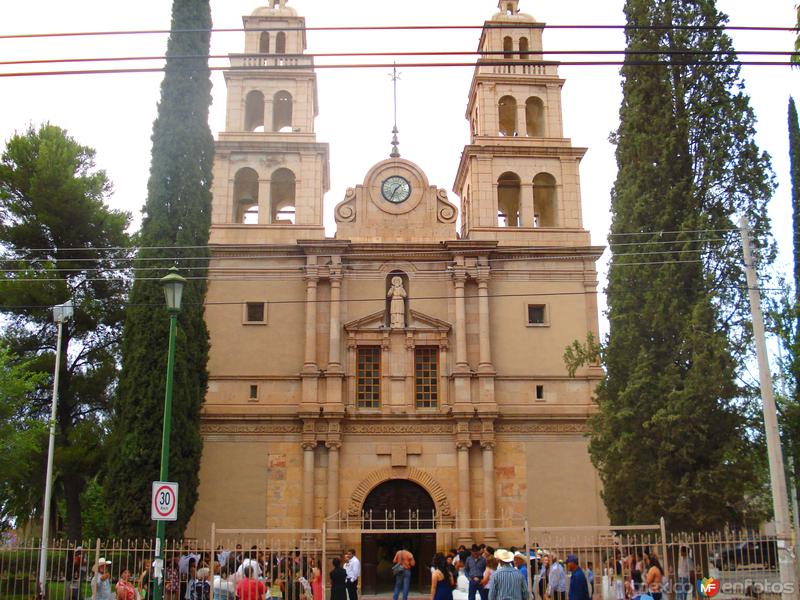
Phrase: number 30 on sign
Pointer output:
(164, 506)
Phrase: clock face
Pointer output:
(396, 189)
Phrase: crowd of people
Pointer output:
(637, 574)
(476, 573)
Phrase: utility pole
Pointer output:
(777, 473)
(61, 313)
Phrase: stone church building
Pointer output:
(414, 360)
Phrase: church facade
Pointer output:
(414, 360)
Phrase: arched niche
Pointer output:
(509, 191)
(282, 111)
(524, 48)
(406, 286)
(507, 111)
(283, 196)
(280, 43)
(508, 46)
(254, 111)
(534, 116)
(263, 43)
(245, 197)
(545, 201)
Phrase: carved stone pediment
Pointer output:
(418, 321)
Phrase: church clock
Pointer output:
(396, 189)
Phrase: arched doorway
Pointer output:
(402, 506)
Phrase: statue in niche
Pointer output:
(397, 306)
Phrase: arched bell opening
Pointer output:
(509, 191)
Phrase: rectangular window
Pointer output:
(540, 392)
(426, 376)
(368, 365)
(536, 315)
(254, 312)
(253, 392)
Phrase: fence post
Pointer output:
(213, 548)
(528, 560)
(94, 572)
(324, 566)
(664, 551)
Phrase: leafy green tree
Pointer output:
(20, 435)
(175, 230)
(671, 436)
(60, 241)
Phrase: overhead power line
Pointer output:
(40, 61)
(348, 301)
(393, 28)
(417, 65)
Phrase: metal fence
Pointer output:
(294, 564)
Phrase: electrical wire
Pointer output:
(419, 53)
(247, 246)
(410, 65)
(347, 265)
(342, 301)
(542, 26)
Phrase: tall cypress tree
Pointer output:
(794, 166)
(670, 438)
(175, 229)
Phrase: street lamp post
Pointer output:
(173, 292)
(61, 313)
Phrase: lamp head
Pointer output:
(63, 312)
(173, 289)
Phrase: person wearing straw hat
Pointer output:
(101, 581)
(508, 583)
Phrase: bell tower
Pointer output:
(270, 174)
(518, 178)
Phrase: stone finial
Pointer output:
(277, 3)
(509, 7)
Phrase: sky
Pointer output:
(114, 113)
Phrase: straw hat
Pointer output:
(504, 556)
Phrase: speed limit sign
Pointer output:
(164, 506)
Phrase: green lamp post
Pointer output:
(173, 292)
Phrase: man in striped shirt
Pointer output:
(508, 583)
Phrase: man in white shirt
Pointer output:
(352, 567)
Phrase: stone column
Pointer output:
(268, 102)
(459, 280)
(527, 209)
(308, 485)
(487, 448)
(522, 120)
(464, 512)
(485, 343)
(264, 202)
(312, 278)
(332, 500)
(334, 350)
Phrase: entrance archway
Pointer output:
(397, 504)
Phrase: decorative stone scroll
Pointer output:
(346, 210)
(445, 211)
(423, 478)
